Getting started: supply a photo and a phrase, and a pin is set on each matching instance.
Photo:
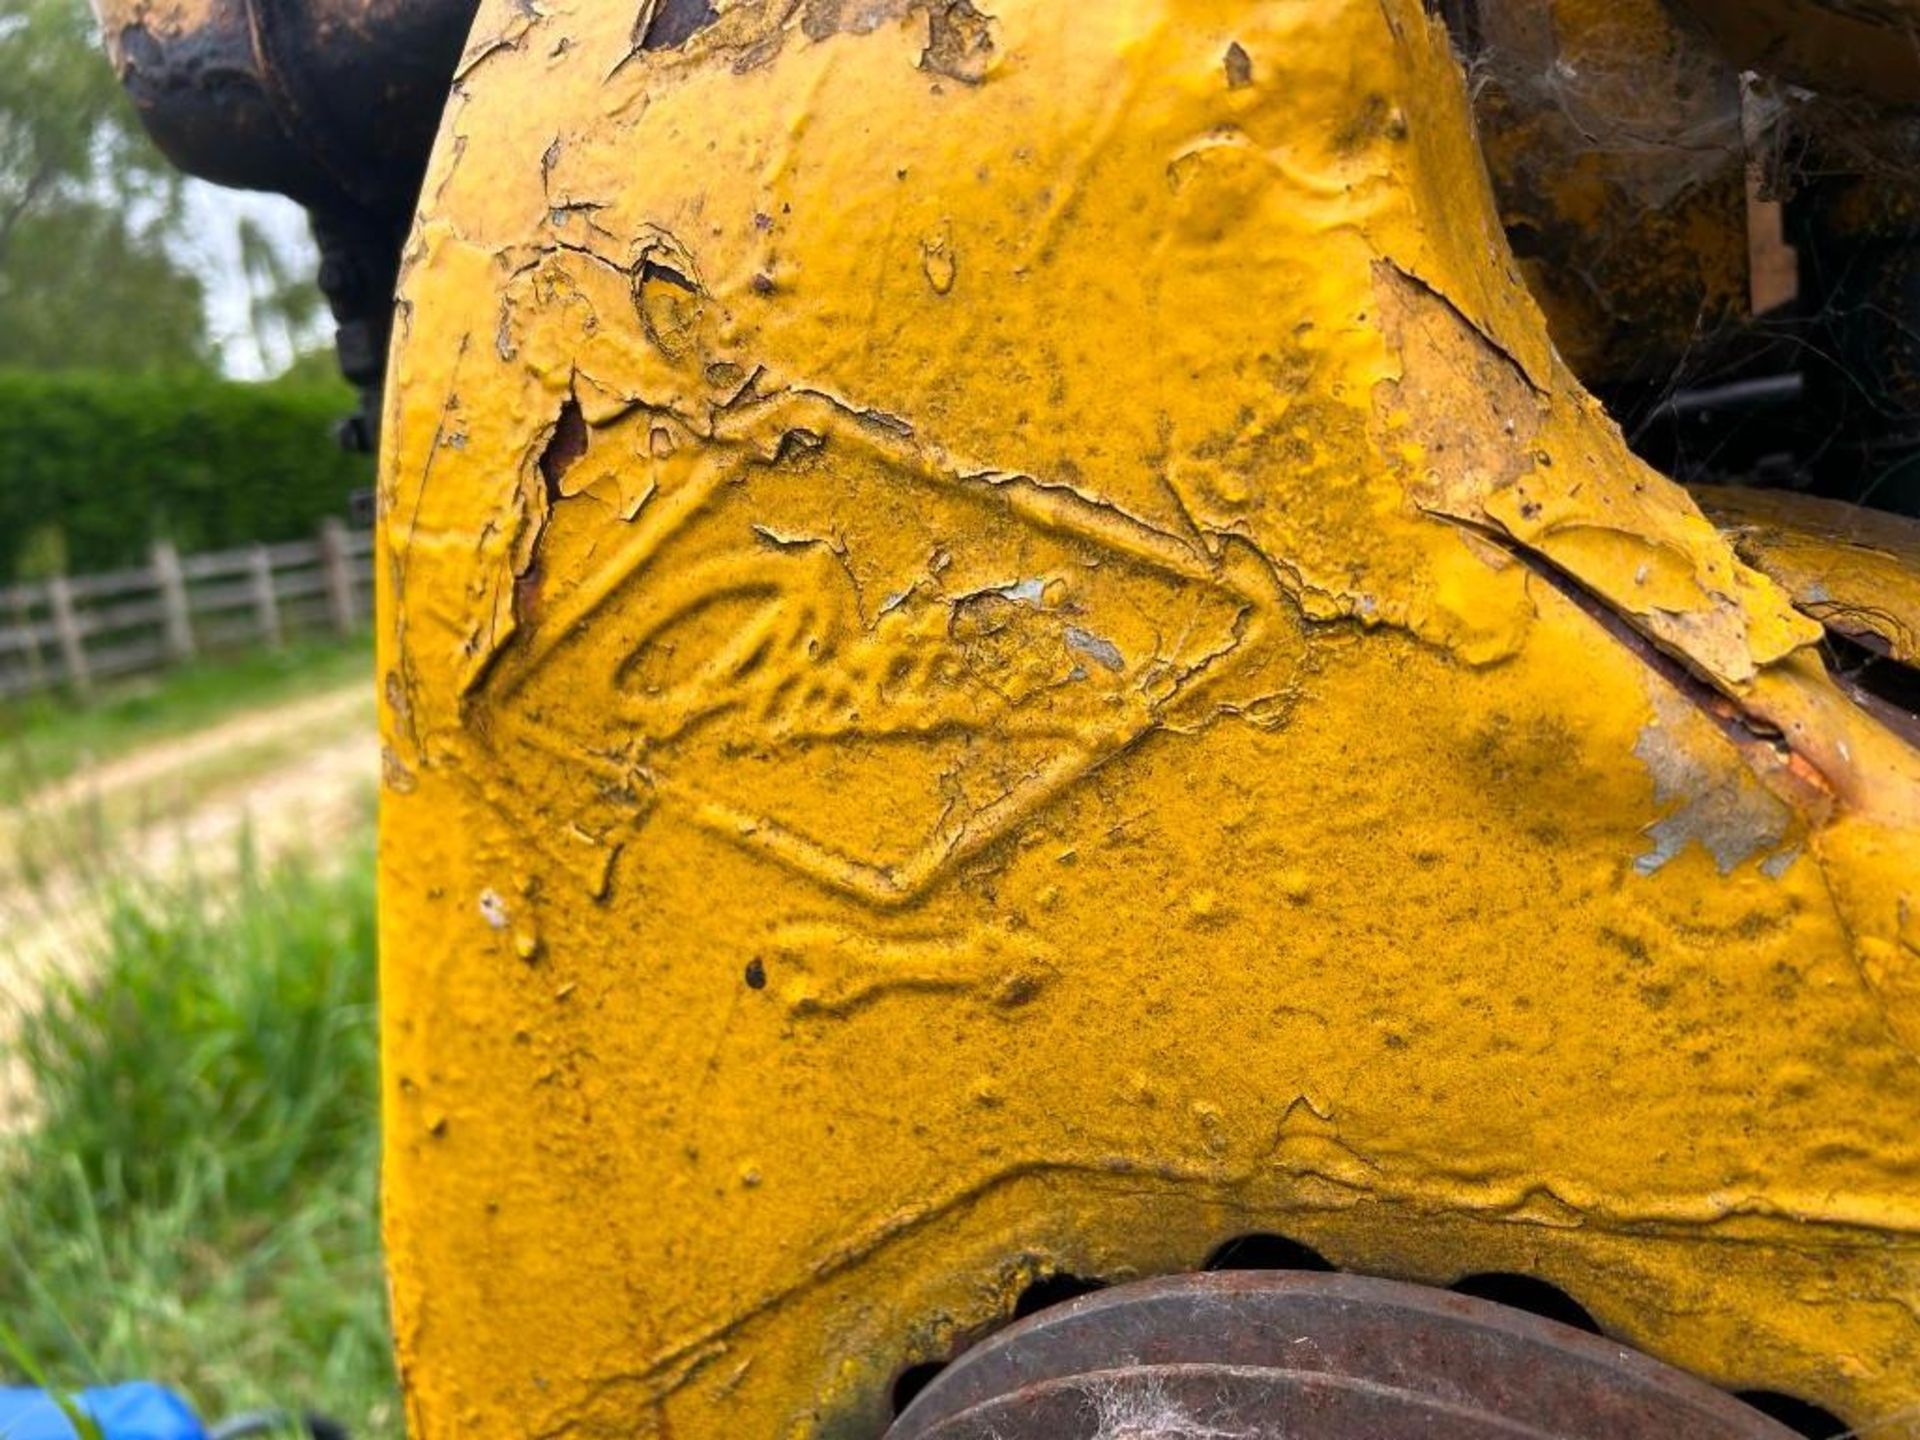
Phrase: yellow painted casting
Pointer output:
(1856, 570)
(1007, 650)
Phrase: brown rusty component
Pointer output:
(1613, 134)
(332, 102)
(1259, 1354)
(1864, 47)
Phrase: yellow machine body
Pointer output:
(1007, 651)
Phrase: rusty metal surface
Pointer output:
(1255, 1354)
(1612, 131)
(360, 84)
(1860, 46)
(334, 103)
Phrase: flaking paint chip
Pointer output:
(1239, 66)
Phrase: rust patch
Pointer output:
(565, 447)
(668, 296)
(959, 42)
(823, 18)
(1239, 67)
(1466, 453)
(1218, 1356)
(528, 600)
(674, 22)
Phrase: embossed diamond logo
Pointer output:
(866, 667)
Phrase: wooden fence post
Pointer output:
(266, 607)
(66, 628)
(30, 646)
(176, 621)
(338, 575)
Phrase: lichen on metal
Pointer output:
(1007, 650)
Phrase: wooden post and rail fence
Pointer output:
(74, 632)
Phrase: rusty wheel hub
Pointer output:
(1261, 1356)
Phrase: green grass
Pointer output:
(46, 739)
(195, 1200)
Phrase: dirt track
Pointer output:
(294, 777)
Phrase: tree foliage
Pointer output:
(87, 207)
(113, 429)
(94, 467)
(284, 307)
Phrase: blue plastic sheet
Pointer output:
(123, 1412)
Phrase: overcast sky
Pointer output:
(212, 248)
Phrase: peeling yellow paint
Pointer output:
(1044, 667)
(1856, 571)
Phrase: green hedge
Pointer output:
(94, 467)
